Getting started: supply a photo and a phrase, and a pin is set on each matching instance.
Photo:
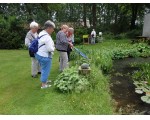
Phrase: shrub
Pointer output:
(108, 35)
(132, 34)
(11, 34)
(70, 81)
(78, 40)
(120, 36)
(79, 34)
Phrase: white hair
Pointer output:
(49, 24)
(33, 24)
(71, 30)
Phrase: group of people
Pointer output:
(41, 61)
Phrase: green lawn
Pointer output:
(21, 94)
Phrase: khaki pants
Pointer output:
(63, 60)
(35, 67)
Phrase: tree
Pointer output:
(134, 11)
(84, 14)
(94, 14)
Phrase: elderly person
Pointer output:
(93, 36)
(44, 53)
(62, 46)
(70, 37)
(31, 35)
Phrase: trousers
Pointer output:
(35, 66)
(45, 63)
(63, 60)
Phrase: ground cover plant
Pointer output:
(69, 80)
(142, 81)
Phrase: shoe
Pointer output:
(34, 76)
(48, 81)
(45, 86)
(39, 72)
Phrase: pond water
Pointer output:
(123, 89)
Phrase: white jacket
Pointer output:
(47, 49)
(94, 33)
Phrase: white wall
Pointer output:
(146, 26)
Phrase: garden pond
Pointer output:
(123, 89)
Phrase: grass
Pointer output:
(21, 94)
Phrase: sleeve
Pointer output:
(73, 38)
(49, 44)
(28, 40)
(63, 39)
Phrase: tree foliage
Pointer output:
(106, 17)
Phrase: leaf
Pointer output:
(146, 99)
(139, 91)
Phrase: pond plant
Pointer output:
(142, 81)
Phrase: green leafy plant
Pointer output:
(142, 81)
(70, 81)
(146, 99)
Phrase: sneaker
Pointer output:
(45, 86)
(48, 81)
(34, 76)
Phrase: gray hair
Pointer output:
(71, 29)
(49, 24)
(34, 25)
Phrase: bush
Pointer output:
(70, 81)
(53, 35)
(120, 36)
(108, 35)
(11, 34)
(79, 34)
(132, 34)
(78, 40)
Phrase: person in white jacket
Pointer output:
(31, 35)
(93, 36)
(45, 52)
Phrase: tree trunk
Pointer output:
(94, 14)
(134, 9)
(84, 14)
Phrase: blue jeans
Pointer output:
(45, 63)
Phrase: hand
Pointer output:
(71, 45)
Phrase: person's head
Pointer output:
(93, 29)
(34, 27)
(64, 28)
(70, 32)
(49, 27)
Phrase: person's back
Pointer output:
(48, 46)
(93, 36)
(93, 33)
(61, 41)
(29, 38)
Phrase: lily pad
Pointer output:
(146, 99)
(139, 91)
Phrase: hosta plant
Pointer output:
(70, 81)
